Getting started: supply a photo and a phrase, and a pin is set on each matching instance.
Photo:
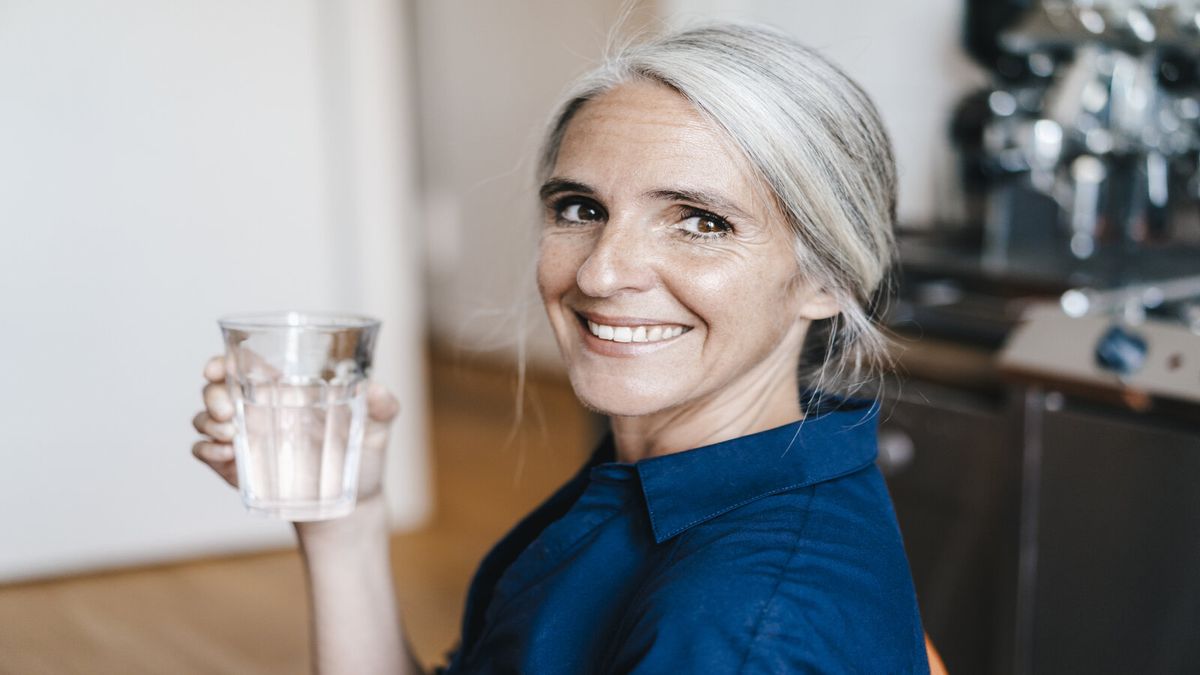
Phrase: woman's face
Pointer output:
(668, 281)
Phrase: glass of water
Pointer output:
(298, 383)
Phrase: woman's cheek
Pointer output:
(705, 282)
(556, 265)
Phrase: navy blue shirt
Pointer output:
(776, 552)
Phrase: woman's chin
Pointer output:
(620, 402)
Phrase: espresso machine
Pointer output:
(1042, 438)
(1088, 137)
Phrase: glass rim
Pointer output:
(289, 319)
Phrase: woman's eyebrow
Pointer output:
(710, 199)
(556, 185)
(706, 198)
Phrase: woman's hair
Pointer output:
(818, 145)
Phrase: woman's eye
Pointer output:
(578, 212)
(705, 225)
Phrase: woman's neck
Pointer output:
(752, 405)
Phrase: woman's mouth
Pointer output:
(624, 330)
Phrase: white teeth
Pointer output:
(634, 333)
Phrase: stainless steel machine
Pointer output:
(1089, 135)
(1042, 438)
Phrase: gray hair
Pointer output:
(816, 142)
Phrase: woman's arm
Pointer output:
(356, 626)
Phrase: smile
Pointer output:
(632, 332)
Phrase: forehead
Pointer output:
(641, 133)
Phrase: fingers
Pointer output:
(214, 370)
(209, 452)
(216, 400)
(382, 408)
(219, 431)
(382, 405)
(376, 435)
(219, 457)
(214, 422)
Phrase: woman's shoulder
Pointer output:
(809, 579)
(829, 527)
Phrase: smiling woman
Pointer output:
(710, 197)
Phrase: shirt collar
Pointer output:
(690, 487)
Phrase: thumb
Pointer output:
(382, 405)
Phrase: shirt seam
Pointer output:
(762, 614)
(787, 488)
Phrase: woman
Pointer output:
(711, 197)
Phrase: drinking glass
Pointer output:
(298, 383)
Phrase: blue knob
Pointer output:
(1121, 350)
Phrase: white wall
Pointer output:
(907, 56)
(163, 163)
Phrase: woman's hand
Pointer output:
(215, 422)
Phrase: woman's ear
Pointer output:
(816, 304)
(811, 302)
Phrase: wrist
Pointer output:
(364, 524)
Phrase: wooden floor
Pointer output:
(247, 615)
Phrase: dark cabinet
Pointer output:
(952, 461)
(1116, 539)
(1047, 535)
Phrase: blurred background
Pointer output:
(163, 164)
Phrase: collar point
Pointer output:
(660, 537)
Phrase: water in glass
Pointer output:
(299, 453)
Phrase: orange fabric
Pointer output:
(936, 667)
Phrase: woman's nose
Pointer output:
(619, 260)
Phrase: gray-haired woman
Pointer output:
(713, 199)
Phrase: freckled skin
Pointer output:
(742, 295)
